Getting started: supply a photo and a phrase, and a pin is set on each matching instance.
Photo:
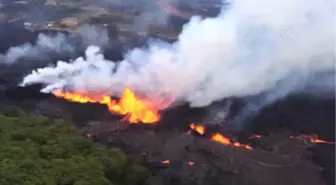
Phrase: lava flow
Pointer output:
(217, 137)
(200, 129)
(312, 139)
(135, 109)
(165, 162)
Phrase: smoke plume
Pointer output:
(93, 35)
(58, 44)
(44, 43)
(150, 14)
(253, 47)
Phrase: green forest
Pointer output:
(36, 150)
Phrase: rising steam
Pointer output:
(254, 47)
(44, 43)
(58, 44)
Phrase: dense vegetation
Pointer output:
(35, 150)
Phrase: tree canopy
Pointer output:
(35, 150)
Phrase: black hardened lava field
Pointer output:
(288, 142)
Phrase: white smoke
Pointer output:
(59, 44)
(93, 35)
(253, 47)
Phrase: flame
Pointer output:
(165, 162)
(135, 109)
(312, 139)
(198, 128)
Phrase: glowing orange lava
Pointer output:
(226, 141)
(221, 139)
(312, 139)
(191, 163)
(217, 137)
(198, 128)
(165, 162)
(135, 109)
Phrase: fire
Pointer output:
(312, 139)
(198, 128)
(217, 137)
(135, 109)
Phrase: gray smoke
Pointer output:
(218, 113)
(58, 44)
(248, 50)
(149, 15)
(145, 20)
(93, 35)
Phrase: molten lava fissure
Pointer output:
(226, 141)
(217, 137)
(135, 109)
(312, 139)
(198, 128)
(191, 163)
(165, 162)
